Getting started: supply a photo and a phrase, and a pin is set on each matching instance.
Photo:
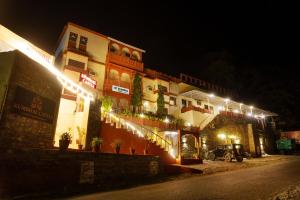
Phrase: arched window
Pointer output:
(123, 103)
(125, 77)
(135, 56)
(114, 48)
(113, 74)
(126, 52)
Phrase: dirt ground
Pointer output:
(210, 167)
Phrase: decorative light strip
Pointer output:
(43, 58)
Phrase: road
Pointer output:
(252, 183)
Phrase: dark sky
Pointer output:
(178, 36)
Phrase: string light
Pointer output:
(43, 58)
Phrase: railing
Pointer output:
(197, 109)
(122, 60)
(140, 130)
(117, 83)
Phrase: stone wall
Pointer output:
(51, 171)
(237, 127)
(19, 131)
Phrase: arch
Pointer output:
(115, 102)
(126, 52)
(115, 48)
(136, 56)
(113, 74)
(125, 77)
(123, 103)
(188, 149)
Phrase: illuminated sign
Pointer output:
(88, 81)
(120, 89)
(32, 105)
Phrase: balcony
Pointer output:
(197, 109)
(108, 83)
(125, 61)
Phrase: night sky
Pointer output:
(251, 47)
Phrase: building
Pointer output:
(197, 114)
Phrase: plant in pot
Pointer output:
(81, 134)
(117, 145)
(96, 144)
(146, 150)
(132, 149)
(65, 140)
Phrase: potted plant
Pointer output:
(117, 145)
(146, 150)
(96, 144)
(65, 140)
(81, 134)
(132, 150)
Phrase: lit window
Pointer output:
(172, 101)
(198, 103)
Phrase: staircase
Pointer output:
(206, 121)
(114, 127)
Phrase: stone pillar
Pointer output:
(251, 139)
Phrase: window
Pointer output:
(114, 48)
(149, 88)
(72, 40)
(76, 63)
(206, 107)
(173, 101)
(125, 77)
(135, 56)
(211, 108)
(80, 105)
(126, 52)
(114, 74)
(123, 103)
(183, 103)
(198, 102)
(82, 43)
(162, 88)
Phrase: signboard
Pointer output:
(120, 89)
(88, 81)
(86, 172)
(30, 104)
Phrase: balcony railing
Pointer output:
(125, 61)
(197, 109)
(109, 82)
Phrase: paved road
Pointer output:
(251, 183)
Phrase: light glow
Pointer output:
(146, 103)
(167, 120)
(222, 136)
(235, 111)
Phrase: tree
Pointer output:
(160, 101)
(107, 103)
(136, 99)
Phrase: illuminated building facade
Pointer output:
(90, 66)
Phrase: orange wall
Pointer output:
(109, 134)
